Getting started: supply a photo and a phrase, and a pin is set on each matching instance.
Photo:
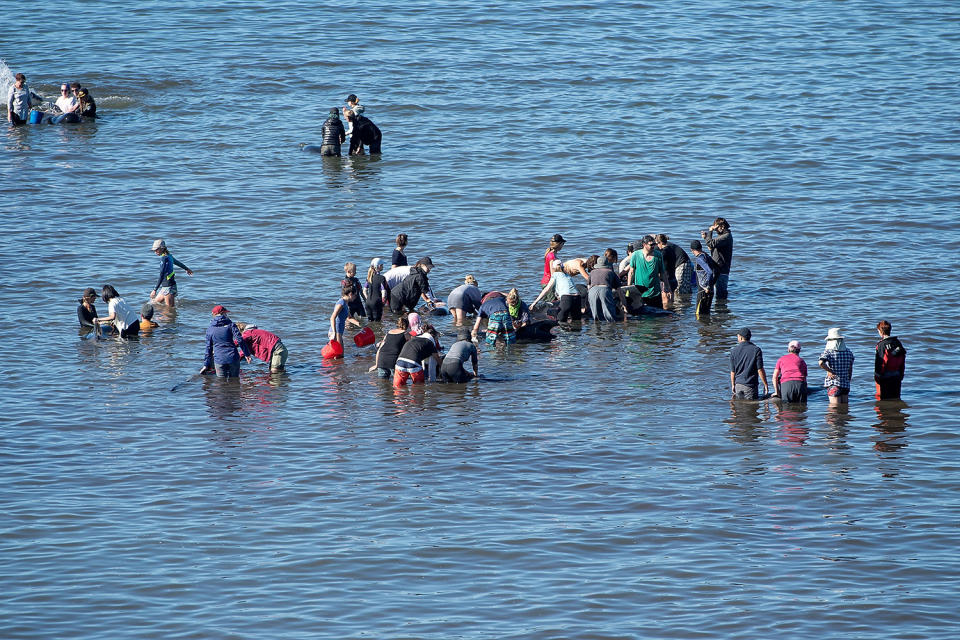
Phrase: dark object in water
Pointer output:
(537, 331)
(425, 310)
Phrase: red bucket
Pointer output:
(333, 349)
(364, 337)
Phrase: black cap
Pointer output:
(695, 244)
(745, 332)
(335, 112)
(351, 98)
(425, 260)
(557, 238)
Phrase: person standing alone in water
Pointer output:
(333, 134)
(166, 290)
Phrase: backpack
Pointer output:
(892, 358)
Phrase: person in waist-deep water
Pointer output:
(601, 285)
(495, 310)
(376, 293)
(332, 134)
(399, 258)
(364, 133)
(147, 324)
(356, 309)
(19, 100)
(790, 375)
(677, 262)
(265, 345)
(837, 361)
(561, 285)
(409, 365)
(721, 250)
(67, 102)
(464, 300)
(389, 348)
(889, 363)
(88, 106)
(746, 365)
(123, 318)
(454, 368)
(706, 271)
(341, 314)
(649, 274)
(165, 291)
(87, 311)
(223, 340)
(353, 104)
(581, 266)
(413, 288)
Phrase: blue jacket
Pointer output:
(223, 340)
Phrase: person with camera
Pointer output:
(721, 250)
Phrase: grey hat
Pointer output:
(603, 262)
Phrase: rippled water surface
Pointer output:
(600, 486)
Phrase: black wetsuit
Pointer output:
(408, 292)
(364, 133)
(374, 297)
(333, 136)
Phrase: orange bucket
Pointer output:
(333, 349)
(364, 337)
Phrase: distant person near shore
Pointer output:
(889, 363)
(721, 250)
(746, 366)
(837, 361)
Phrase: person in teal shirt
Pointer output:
(649, 274)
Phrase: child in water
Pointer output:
(351, 280)
(341, 315)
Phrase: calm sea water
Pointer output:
(600, 486)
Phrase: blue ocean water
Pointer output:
(600, 486)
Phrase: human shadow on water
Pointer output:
(838, 419)
(746, 419)
(349, 172)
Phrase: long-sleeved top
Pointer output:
(721, 250)
(223, 340)
(167, 278)
(18, 101)
(86, 317)
(704, 267)
(260, 343)
(890, 359)
(841, 363)
(333, 132)
(412, 287)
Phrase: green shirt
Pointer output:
(646, 274)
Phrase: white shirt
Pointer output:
(124, 316)
(66, 103)
(396, 275)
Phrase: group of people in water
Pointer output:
(645, 282)
(73, 105)
(361, 130)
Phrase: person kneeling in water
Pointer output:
(452, 369)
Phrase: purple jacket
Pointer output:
(223, 340)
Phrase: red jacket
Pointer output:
(260, 343)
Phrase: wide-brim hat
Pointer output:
(834, 334)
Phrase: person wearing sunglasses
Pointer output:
(67, 102)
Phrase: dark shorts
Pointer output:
(793, 391)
